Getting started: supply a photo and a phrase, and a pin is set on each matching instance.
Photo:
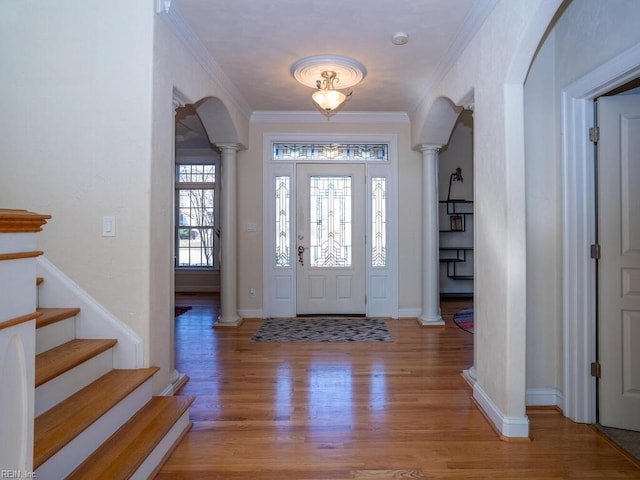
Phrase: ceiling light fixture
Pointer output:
(325, 73)
(327, 97)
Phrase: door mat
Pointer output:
(323, 330)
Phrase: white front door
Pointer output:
(330, 239)
(619, 265)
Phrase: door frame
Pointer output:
(279, 283)
(579, 230)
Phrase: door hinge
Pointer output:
(595, 251)
(595, 369)
(594, 134)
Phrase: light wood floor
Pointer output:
(358, 411)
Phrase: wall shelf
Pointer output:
(457, 241)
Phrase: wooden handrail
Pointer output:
(20, 221)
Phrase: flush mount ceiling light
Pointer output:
(326, 74)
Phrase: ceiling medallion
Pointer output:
(328, 74)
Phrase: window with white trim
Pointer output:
(197, 232)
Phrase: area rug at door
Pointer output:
(324, 329)
(464, 319)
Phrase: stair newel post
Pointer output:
(430, 238)
(18, 316)
(228, 238)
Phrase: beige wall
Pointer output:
(250, 168)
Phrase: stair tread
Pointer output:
(53, 315)
(60, 359)
(123, 453)
(55, 428)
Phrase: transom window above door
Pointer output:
(325, 152)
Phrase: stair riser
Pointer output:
(65, 385)
(166, 445)
(67, 459)
(55, 334)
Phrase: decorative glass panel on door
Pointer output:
(282, 253)
(330, 221)
(378, 222)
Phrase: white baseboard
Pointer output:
(246, 313)
(176, 380)
(470, 375)
(409, 312)
(510, 427)
(544, 397)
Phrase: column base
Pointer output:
(228, 322)
(431, 321)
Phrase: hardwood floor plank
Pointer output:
(328, 411)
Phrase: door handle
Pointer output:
(301, 255)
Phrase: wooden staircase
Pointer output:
(93, 421)
(65, 411)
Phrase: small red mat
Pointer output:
(464, 319)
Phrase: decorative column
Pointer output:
(430, 238)
(176, 379)
(228, 239)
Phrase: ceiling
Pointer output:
(252, 45)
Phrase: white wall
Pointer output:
(88, 130)
(76, 136)
(603, 29)
(491, 71)
(177, 73)
(544, 224)
(590, 32)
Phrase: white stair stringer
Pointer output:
(75, 452)
(63, 386)
(55, 334)
(94, 320)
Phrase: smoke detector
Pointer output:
(399, 38)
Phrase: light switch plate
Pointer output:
(109, 226)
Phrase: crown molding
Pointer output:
(178, 24)
(475, 18)
(316, 117)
